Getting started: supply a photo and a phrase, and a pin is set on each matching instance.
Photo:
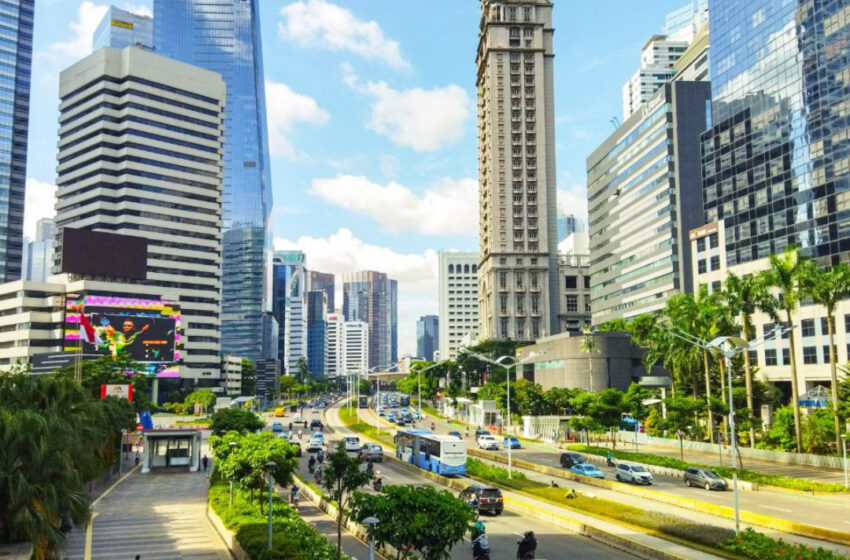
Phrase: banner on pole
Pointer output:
(120, 391)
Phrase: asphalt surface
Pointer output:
(503, 531)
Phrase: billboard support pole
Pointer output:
(78, 369)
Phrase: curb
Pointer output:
(226, 535)
(784, 525)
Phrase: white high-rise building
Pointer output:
(141, 154)
(518, 267)
(333, 344)
(38, 254)
(355, 347)
(458, 278)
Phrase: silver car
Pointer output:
(633, 473)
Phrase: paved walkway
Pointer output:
(327, 527)
(159, 516)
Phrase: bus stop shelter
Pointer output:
(172, 448)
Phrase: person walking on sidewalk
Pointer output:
(205, 461)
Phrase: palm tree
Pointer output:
(589, 346)
(744, 296)
(785, 273)
(827, 287)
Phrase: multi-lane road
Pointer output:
(503, 530)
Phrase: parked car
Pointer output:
(371, 452)
(633, 473)
(486, 499)
(512, 442)
(456, 434)
(277, 427)
(352, 443)
(571, 458)
(709, 480)
(586, 469)
(488, 442)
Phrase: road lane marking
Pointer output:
(777, 509)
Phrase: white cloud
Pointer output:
(390, 166)
(318, 23)
(285, 108)
(416, 273)
(138, 9)
(39, 203)
(89, 15)
(573, 200)
(449, 207)
(422, 119)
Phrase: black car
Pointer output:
(479, 433)
(706, 478)
(486, 499)
(570, 459)
(316, 424)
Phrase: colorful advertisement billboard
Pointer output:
(147, 330)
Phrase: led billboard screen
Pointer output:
(96, 253)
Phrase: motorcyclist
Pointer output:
(481, 547)
(477, 529)
(320, 456)
(378, 483)
(311, 464)
(293, 495)
(527, 546)
(433, 426)
(370, 469)
(609, 459)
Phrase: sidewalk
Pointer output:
(327, 527)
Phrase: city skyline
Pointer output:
(315, 157)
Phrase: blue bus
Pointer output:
(363, 403)
(405, 400)
(437, 453)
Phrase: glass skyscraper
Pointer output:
(224, 36)
(371, 297)
(120, 29)
(317, 328)
(15, 65)
(776, 162)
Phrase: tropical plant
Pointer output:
(302, 372)
(827, 287)
(589, 346)
(607, 410)
(235, 420)
(341, 476)
(418, 519)
(249, 378)
(785, 273)
(745, 295)
(108, 370)
(204, 397)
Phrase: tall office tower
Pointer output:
(333, 345)
(289, 306)
(568, 224)
(38, 254)
(516, 170)
(322, 281)
(368, 296)
(224, 36)
(458, 284)
(661, 52)
(643, 193)
(775, 162)
(427, 336)
(393, 322)
(355, 347)
(16, 29)
(120, 29)
(317, 327)
(140, 154)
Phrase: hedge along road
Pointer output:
(503, 531)
(828, 511)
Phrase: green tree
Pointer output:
(417, 519)
(607, 410)
(558, 399)
(235, 420)
(785, 272)
(681, 411)
(527, 399)
(827, 287)
(249, 378)
(302, 372)
(589, 346)
(108, 370)
(245, 462)
(287, 384)
(633, 401)
(819, 431)
(745, 295)
(781, 434)
(341, 476)
(204, 397)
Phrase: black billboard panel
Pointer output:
(97, 253)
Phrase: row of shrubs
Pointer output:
(748, 476)
(292, 537)
(749, 543)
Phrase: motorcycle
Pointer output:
(481, 548)
(526, 547)
(378, 484)
(609, 460)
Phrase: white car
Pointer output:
(352, 443)
(488, 442)
(315, 444)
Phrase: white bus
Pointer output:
(441, 454)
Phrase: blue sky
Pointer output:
(372, 118)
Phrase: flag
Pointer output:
(87, 332)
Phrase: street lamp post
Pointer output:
(370, 522)
(844, 448)
(269, 467)
(377, 399)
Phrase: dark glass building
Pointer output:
(15, 65)
(776, 160)
(427, 336)
(371, 297)
(317, 328)
(322, 281)
(224, 36)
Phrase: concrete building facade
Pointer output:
(355, 347)
(334, 344)
(372, 297)
(516, 169)
(458, 286)
(231, 375)
(574, 277)
(140, 154)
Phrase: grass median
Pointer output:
(745, 475)
(349, 418)
(749, 544)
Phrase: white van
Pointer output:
(297, 417)
(352, 443)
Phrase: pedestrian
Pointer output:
(137, 457)
(206, 462)
(138, 557)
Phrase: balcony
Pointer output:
(534, 288)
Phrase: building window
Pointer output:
(504, 326)
(572, 304)
(810, 355)
(503, 280)
(824, 326)
(754, 357)
(533, 277)
(503, 304)
(571, 282)
(535, 328)
(786, 357)
(520, 303)
(715, 263)
(587, 282)
(826, 354)
(520, 328)
(701, 266)
(807, 326)
(770, 357)
(715, 286)
(535, 303)
(701, 244)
